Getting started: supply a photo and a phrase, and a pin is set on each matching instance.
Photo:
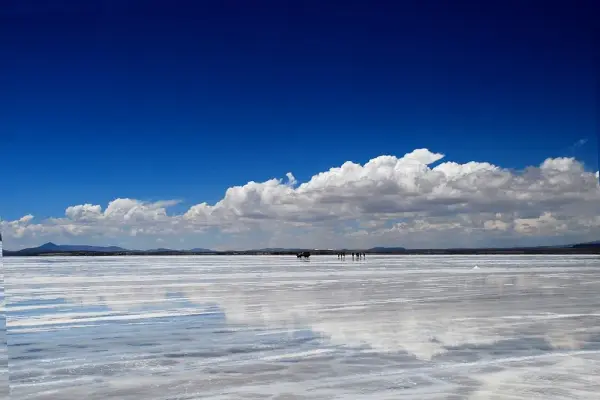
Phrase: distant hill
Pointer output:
(201, 250)
(587, 245)
(277, 249)
(165, 250)
(160, 249)
(74, 247)
(51, 248)
(386, 249)
(55, 248)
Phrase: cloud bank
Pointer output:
(413, 201)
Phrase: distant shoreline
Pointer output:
(590, 250)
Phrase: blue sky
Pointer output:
(182, 100)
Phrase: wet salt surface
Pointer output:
(4, 392)
(414, 327)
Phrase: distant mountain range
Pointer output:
(73, 247)
(87, 250)
(165, 250)
(588, 244)
(51, 248)
(201, 250)
(386, 249)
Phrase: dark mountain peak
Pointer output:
(49, 245)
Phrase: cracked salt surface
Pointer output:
(388, 327)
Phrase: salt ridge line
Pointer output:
(318, 326)
(266, 261)
(103, 316)
(414, 371)
(263, 261)
(135, 293)
(201, 286)
(65, 319)
(283, 275)
(166, 301)
(203, 283)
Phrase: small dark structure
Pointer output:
(304, 254)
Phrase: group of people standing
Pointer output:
(355, 255)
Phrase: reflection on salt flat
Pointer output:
(4, 390)
(427, 327)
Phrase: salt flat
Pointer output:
(398, 327)
(4, 392)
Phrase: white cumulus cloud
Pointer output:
(403, 201)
